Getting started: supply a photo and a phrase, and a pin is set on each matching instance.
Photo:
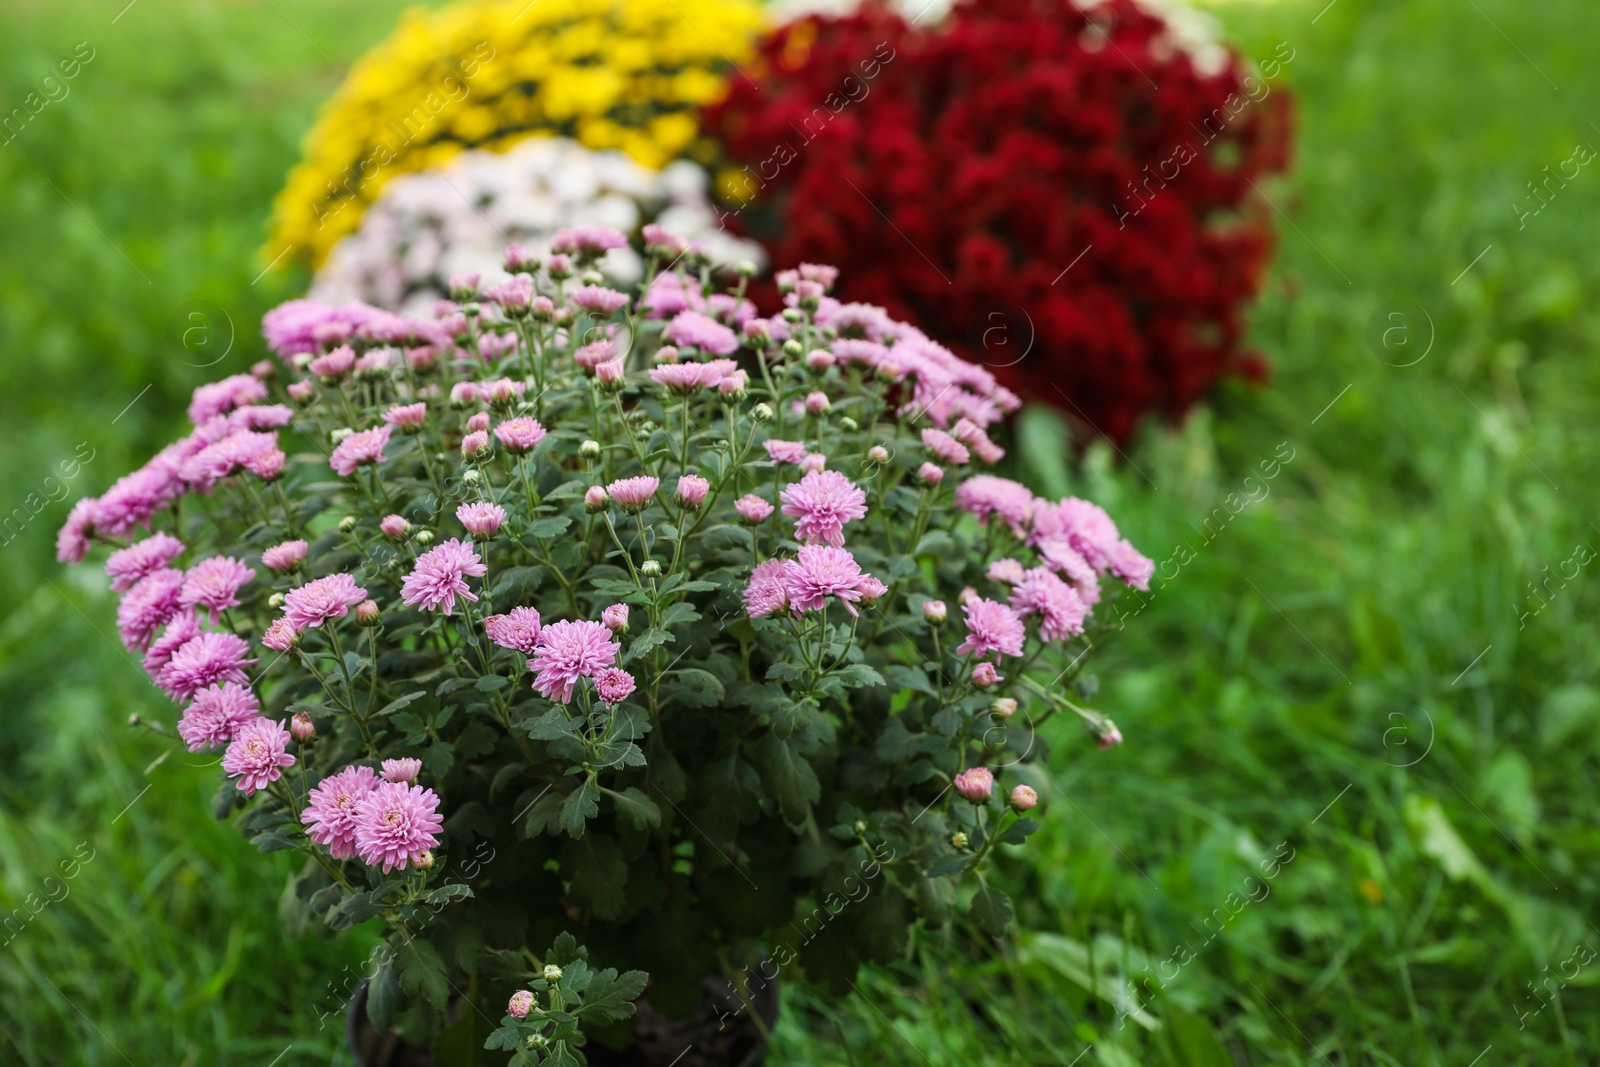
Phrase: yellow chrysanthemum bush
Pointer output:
(630, 75)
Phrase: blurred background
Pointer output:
(1378, 676)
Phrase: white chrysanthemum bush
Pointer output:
(705, 638)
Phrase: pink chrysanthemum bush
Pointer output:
(631, 616)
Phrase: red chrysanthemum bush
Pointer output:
(958, 172)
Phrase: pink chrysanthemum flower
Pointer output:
(475, 443)
(128, 565)
(595, 353)
(262, 417)
(986, 494)
(692, 329)
(439, 577)
(785, 451)
(611, 372)
(517, 629)
(134, 498)
(513, 294)
(256, 753)
(685, 377)
(286, 556)
(632, 494)
(214, 583)
(148, 606)
(520, 434)
(768, 591)
(522, 1000)
(205, 659)
(946, 447)
(598, 300)
(821, 503)
(1005, 571)
(330, 812)
(973, 435)
(317, 601)
(991, 627)
(975, 783)
(396, 824)
(752, 509)
(1131, 565)
(1085, 526)
(1061, 610)
(72, 541)
(871, 589)
(821, 571)
(183, 627)
(401, 770)
(335, 364)
(217, 714)
(567, 651)
(280, 636)
(692, 490)
(1059, 555)
(360, 449)
(814, 461)
(406, 416)
(217, 398)
(614, 685)
(587, 240)
(481, 519)
(480, 421)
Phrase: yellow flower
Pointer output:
(625, 74)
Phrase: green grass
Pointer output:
(1364, 612)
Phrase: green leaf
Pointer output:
(991, 910)
(947, 865)
(551, 726)
(560, 1054)
(507, 1039)
(697, 688)
(476, 739)
(934, 543)
(610, 996)
(597, 872)
(422, 971)
(857, 676)
(439, 758)
(564, 950)
(635, 808)
(581, 805)
(446, 893)
(787, 775)
(552, 526)
(1018, 832)
(399, 702)
(490, 682)
(913, 678)
(383, 993)
(790, 717)
(356, 908)
(681, 612)
(450, 685)
(644, 643)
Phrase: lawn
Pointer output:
(1352, 822)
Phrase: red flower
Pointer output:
(956, 174)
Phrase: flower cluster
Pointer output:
(1060, 189)
(635, 582)
(426, 230)
(628, 75)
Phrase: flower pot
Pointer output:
(716, 1034)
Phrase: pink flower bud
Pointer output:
(666, 354)
(817, 403)
(367, 613)
(968, 595)
(734, 384)
(934, 611)
(1003, 707)
(930, 473)
(752, 509)
(975, 783)
(1110, 736)
(611, 373)
(692, 490)
(558, 266)
(281, 636)
(819, 359)
(302, 392)
(878, 454)
(394, 527)
(519, 258)
(302, 727)
(542, 309)
(814, 461)
(475, 443)
(401, 770)
(871, 589)
(984, 675)
(262, 370)
(616, 618)
(591, 356)
(1023, 798)
(521, 1003)
(480, 421)
(595, 499)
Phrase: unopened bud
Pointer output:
(958, 840)
(860, 827)
(1004, 707)
(934, 611)
(425, 537)
(552, 973)
(302, 727)
(650, 568)
(471, 476)
(877, 453)
(746, 269)
(791, 347)
(761, 412)
(424, 860)
(338, 436)
(1023, 797)
(367, 613)
(347, 524)
(275, 601)
(794, 315)
(592, 277)
(595, 499)
(589, 450)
